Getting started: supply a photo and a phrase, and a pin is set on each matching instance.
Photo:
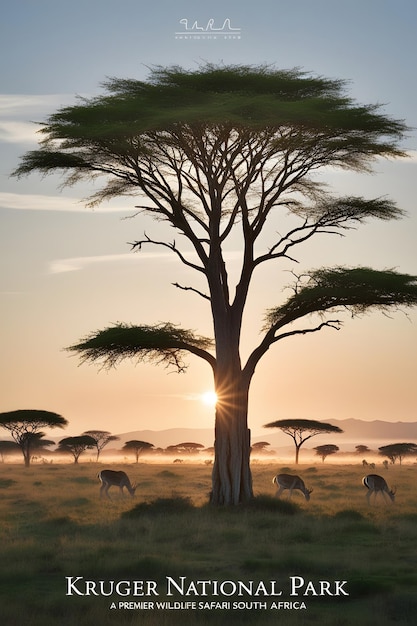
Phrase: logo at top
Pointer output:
(193, 30)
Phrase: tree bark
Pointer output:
(231, 478)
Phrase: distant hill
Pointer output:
(355, 432)
(376, 430)
(169, 437)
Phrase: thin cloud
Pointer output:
(18, 132)
(15, 105)
(21, 115)
(37, 202)
(76, 264)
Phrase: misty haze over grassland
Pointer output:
(281, 449)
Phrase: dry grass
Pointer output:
(53, 524)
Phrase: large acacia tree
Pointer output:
(222, 152)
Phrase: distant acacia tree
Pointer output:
(188, 447)
(76, 445)
(102, 438)
(229, 156)
(138, 447)
(260, 446)
(39, 444)
(326, 450)
(25, 426)
(362, 449)
(8, 447)
(301, 430)
(397, 451)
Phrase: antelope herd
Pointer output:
(375, 484)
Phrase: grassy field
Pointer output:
(53, 525)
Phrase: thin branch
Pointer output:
(137, 245)
(200, 293)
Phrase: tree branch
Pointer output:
(200, 293)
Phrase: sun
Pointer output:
(209, 398)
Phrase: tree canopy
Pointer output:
(76, 445)
(25, 426)
(326, 450)
(101, 438)
(397, 451)
(218, 153)
(137, 447)
(300, 430)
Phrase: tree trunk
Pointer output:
(26, 454)
(297, 452)
(231, 478)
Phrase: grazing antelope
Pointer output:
(110, 478)
(286, 481)
(376, 484)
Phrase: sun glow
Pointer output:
(209, 398)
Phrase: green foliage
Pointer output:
(356, 289)
(163, 343)
(240, 97)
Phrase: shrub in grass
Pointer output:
(349, 515)
(76, 502)
(269, 503)
(83, 480)
(168, 474)
(6, 482)
(160, 506)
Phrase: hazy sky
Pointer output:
(67, 270)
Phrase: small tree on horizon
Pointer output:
(260, 446)
(137, 447)
(228, 156)
(361, 449)
(102, 438)
(188, 447)
(25, 426)
(397, 451)
(300, 430)
(326, 450)
(76, 445)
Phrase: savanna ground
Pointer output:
(53, 525)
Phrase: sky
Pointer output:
(67, 270)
